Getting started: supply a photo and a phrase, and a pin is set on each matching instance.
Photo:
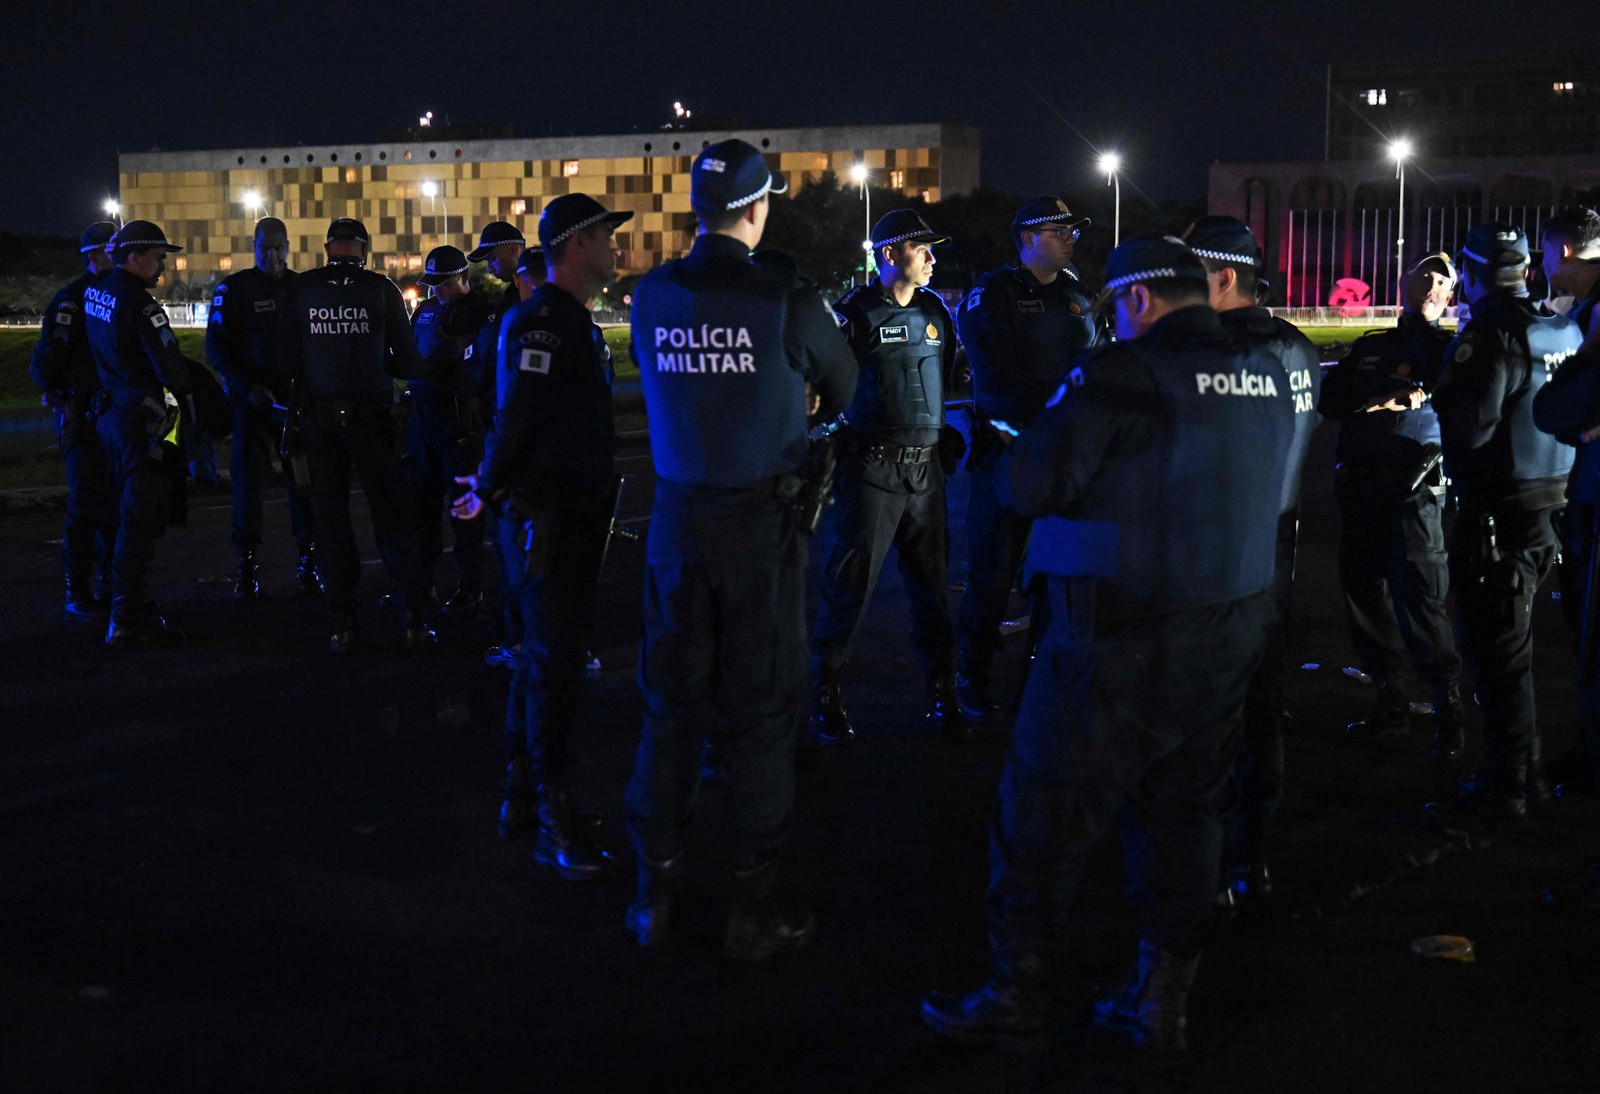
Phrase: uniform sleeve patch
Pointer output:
(467, 356)
(534, 360)
(159, 319)
(539, 338)
(216, 301)
(973, 298)
(64, 318)
(1463, 352)
(266, 305)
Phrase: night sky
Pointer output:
(1171, 86)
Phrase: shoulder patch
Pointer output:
(1463, 352)
(158, 319)
(64, 318)
(539, 338)
(534, 360)
(973, 298)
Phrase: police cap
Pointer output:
(904, 226)
(571, 213)
(1439, 263)
(1046, 211)
(443, 264)
(494, 234)
(96, 236)
(730, 175)
(531, 260)
(348, 228)
(138, 235)
(1158, 258)
(1223, 239)
(1497, 245)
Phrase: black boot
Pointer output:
(139, 625)
(519, 812)
(245, 585)
(1151, 1005)
(1449, 723)
(1390, 716)
(761, 922)
(307, 581)
(81, 601)
(650, 916)
(1538, 793)
(1494, 798)
(974, 697)
(943, 715)
(415, 634)
(1008, 1011)
(346, 633)
(466, 598)
(563, 843)
(829, 720)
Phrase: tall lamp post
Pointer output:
(430, 190)
(251, 200)
(1111, 168)
(1400, 150)
(113, 208)
(859, 175)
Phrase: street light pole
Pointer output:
(1400, 150)
(113, 208)
(1111, 167)
(859, 174)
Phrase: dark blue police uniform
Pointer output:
(242, 345)
(1020, 336)
(449, 418)
(345, 340)
(1508, 478)
(891, 484)
(725, 350)
(1155, 478)
(63, 368)
(486, 350)
(137, 356)
(1392, 564)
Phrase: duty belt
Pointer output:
(897, 453)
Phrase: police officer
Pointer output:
(1391, 544)
(1570, 240)
(1156, 475)
(344, 340)
(1021, 326)
(891, 486)
(529, 274)
(726, 349)
(137, 355)
(242, 345)
(1228, 251)
(449, 417)
(550, 465)
(500, 247)
(1508, 478)
(64, 369)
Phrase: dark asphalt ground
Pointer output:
(247, 866)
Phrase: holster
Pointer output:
(539, 526)
(952, 446)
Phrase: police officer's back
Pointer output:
(1021, 327)
(242, 345)
(345, 339)
(1507, 477)
(1155, 474)
(138, 358)
(63, 368)
(726, 349)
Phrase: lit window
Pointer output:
(1377, 96)
(225, 262)
(1563, 87)
(897, 180)
(569, 167)
(519, 208)
(182, 262)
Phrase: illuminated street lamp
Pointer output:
(859, 175)
(113, 208)
(1111, 167)
(1400, 150)
(251, 200)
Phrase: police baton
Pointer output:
(614, 528)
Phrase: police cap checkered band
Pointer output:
(731, 174)
(497, 233)
(1047, 209)
(578, 227)
(531, 258)
(572, 213)
(96, 236)
(1227, 256)
(1496, 244)
(1141, 275)
(902, 225)
(1223, 239)
(138, 234)
(740, 203)
(347, 228)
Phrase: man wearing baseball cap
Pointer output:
(242, 345)
(449, 417)
(1391, 533)
(1021, 326)
(726, 350)
(137, 356)
(64, 369)
(549, 465)
(1232, 261)
(1508, 478)
(1154, 477)
(891, 483)
(345, 339)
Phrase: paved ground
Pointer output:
(247, 866)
